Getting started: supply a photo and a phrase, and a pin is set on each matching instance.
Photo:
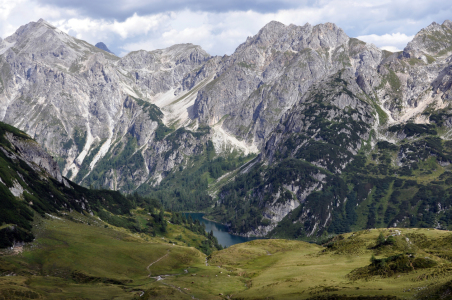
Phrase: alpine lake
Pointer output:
(220, 231)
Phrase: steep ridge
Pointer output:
(268, 73)
(81, 103)
(31, 182)
(302, 185)
(319, 106)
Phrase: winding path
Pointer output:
(170, 285)
(147, 268)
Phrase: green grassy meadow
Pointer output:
(73, 259)
(79, 257)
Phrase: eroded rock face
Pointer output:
(35, 156)
(161, 70)
(345, 96)
(307, 95)
(267, 74)
(313, 142)
(80, 102)
(326, 128)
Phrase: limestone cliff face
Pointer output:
(30, 168)
(80, 102)
(332, 95)
(35, 156)
(435, 39)
(313, 142)
(307, 94)
(326, 128)
(162, 70)
(271, 71)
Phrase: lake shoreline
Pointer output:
(215, 221)
(220, 231)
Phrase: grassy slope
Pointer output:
(281, 269)
(175, 234)
(71, 259)
(65, 251)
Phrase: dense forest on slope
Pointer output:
(186, 189)
(315, 185)
(408, 184)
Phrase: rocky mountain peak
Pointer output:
(280, 37)
(434, 39)
(104, 47)
(269, 33)
(51, 44)
(186, 52)
(164, 58)
(327, 35)
(447, 23)
(32, 30)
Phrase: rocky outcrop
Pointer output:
(35, 156)
(433, 40)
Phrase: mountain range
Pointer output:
(301, 132)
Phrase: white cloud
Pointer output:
(94, 30)
(15, 13)
(391, 48)
(385, 23)
(392, 42)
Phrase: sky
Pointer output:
(220, 26)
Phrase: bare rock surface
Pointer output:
(286, 93)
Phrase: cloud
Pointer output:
(392, 42)
(220, 26)
(15, 13)
(391, 48)
(121, 10)
(88, 28)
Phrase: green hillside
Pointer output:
(70, 242)
(41, 195)
(76, 256)
(81, 242)
(403, 184)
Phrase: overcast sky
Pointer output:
(220, 26)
